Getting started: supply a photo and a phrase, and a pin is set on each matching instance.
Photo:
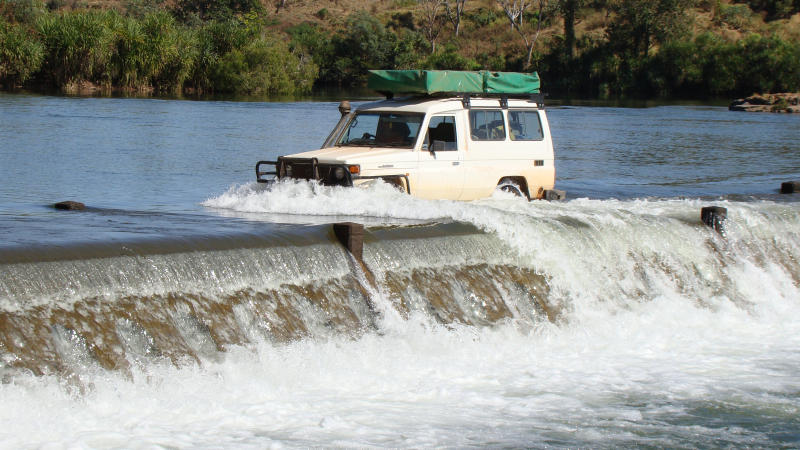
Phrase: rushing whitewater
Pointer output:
(499, 322)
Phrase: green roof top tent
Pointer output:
(428, 82)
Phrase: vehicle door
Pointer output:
(441, 155)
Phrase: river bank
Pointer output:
(778, 103)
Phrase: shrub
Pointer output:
(364, 44)
(234, 58)
(20, 54)
(215, 10)
(263, 66)
(494, 61)
(78, 46)
(737, 16)
(776, 9)
(128, 53)
(482, 17)
(450, 59)
(22, 11)
(140, 8)
(169, 52)
(308, 40)
(410, 46)
(770, 64)
(213, 41)
(402, 20)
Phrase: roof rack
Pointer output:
(453, 82)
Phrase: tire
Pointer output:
(511, 187)
(397, 183)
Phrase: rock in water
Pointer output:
(69, 205)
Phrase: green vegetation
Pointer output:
(155, 52)
(585, 48)
(20, 56)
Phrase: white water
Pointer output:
(672, 336)
(29, 285)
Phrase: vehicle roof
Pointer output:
(441, 104)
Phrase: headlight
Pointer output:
(338, 173)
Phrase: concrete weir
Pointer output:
(185, 302)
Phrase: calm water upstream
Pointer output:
(192, 307)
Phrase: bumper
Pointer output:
(311, 169)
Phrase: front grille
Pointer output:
(300, 170)
(309, 169)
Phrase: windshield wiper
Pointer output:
(356, 144)
(399, 145)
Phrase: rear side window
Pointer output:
(525, 126)
(487, 125)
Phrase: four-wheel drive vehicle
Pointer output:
(456, 136)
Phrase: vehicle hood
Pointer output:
(359, 155)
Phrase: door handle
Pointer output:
(455, 163)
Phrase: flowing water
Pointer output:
(191, 307)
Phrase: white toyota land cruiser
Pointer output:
(448, 143)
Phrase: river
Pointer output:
(192, 307)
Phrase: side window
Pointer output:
(442, 134)
(525, 126)
(487, 125)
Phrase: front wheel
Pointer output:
(511, 187)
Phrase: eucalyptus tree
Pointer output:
(431, 23)
(455, 9)
(528, 28)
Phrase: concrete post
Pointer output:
(351, 236)
(714, 217)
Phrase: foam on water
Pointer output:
(664, 373)
(28, 285)
(672, 336)
(611, 251)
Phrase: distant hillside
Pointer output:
(587, 48)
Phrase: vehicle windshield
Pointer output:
(382, 129)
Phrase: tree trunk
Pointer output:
(569, 27)
(530, 56)
(454, 14)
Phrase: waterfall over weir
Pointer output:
(504, 322)
(107, 305)
(159, 300)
